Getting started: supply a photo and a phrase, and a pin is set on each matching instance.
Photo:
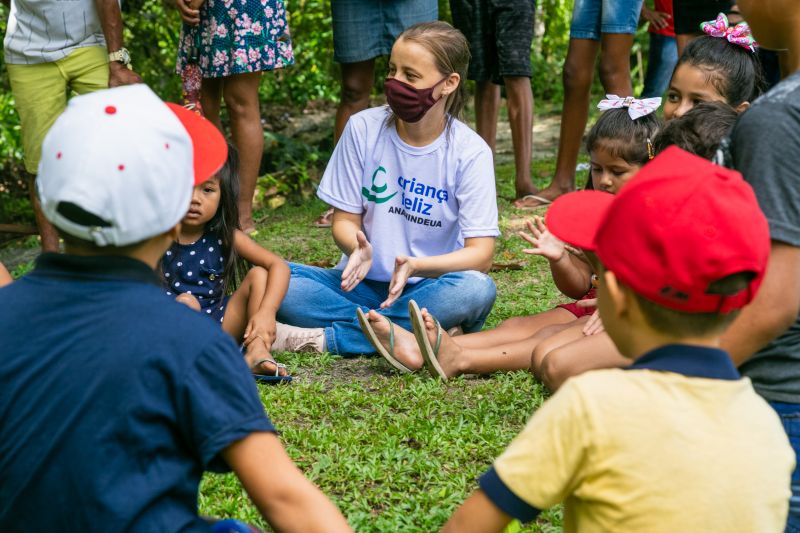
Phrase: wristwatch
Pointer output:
(122, 56)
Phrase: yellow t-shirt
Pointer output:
(643, 450)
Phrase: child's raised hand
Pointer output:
(544, 243)
(358, 264)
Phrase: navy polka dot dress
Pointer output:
(197, 269)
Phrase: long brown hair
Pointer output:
(450, 51)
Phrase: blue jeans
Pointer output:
(790, 417)
(661, 61)
(590, 18)
(315, 300)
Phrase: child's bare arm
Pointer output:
(571, 275)
(5, 277)
(478, 514)
(282, 494)
(277, 280)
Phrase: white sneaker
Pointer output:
(293, 339)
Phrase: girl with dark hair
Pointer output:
(207, 269)
(721, 66)
(415, 209)
(619, 144)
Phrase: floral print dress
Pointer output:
(237, 37)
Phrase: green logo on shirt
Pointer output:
(372, 193)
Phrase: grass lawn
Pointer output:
(397, 453)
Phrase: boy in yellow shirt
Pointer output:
(679, 441)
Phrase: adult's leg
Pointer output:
(356, 86)
(577, 78)
(661, 61)
(582, 355)
(615, 63)
(487, 106)
(520, 116)
(40, 95)
(315, 300)
(211, 99)
(458, 298)
(683, 39)
(240, 93)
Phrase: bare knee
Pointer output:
(576, 77)
(554, 369)
(256, 276)
(538, 356)
(614, 72)
(241, 105)
(355, 92)
(189, 301)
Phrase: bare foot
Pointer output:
(246, 224)
(325, 220)
(450, 354)
(405, 344)
(528, 189)
(260, 360)
(548, 194)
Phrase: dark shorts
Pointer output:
(689, 14)
(580, 312)
(364, 29)
(500, 33)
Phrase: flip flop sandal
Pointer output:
(372, 337)
(541, 199)
(325, 220)
(271, 379)
(429, 353)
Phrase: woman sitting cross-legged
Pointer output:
(415, 212)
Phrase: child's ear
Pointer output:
(741, 108)
(617, 295)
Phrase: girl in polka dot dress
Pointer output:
(206, 269)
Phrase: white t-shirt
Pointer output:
(415, 201)
(42, 31)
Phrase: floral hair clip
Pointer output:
(738, 34)
(636, 108)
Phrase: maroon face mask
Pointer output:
(408, 103)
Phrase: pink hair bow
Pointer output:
(636, 108)
(739, 34)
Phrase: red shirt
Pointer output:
(665, 6)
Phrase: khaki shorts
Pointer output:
(41, 90)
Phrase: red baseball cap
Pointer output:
(679, 225)
(209, 147)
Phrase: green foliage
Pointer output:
(152, 33)
(550, 51)
(314, 75)
(291, 165)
